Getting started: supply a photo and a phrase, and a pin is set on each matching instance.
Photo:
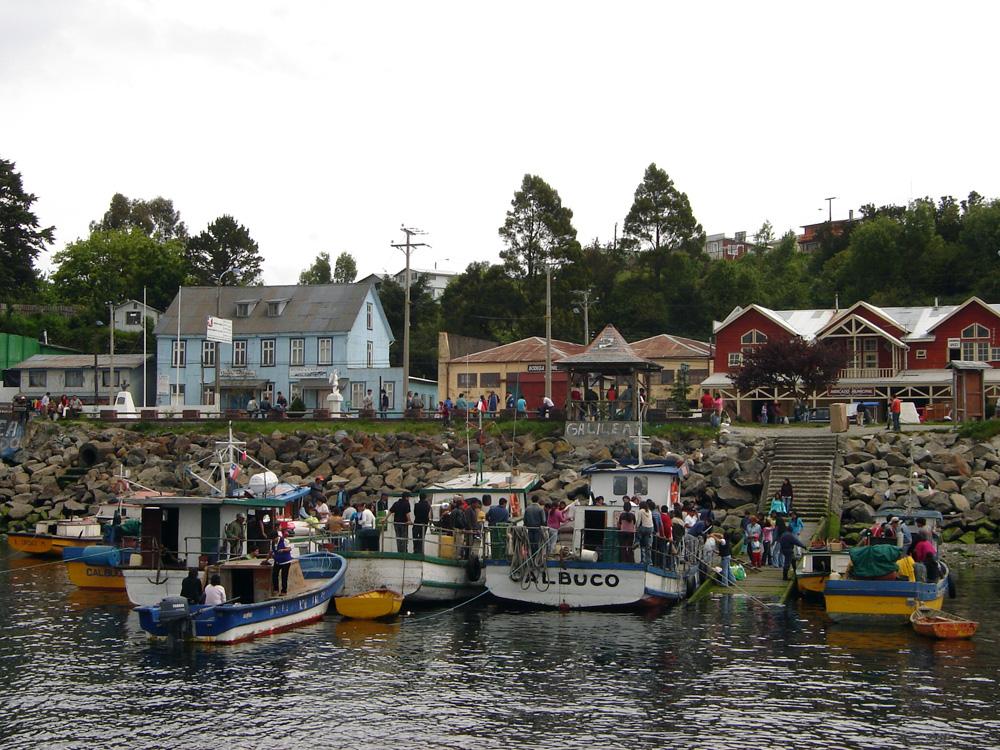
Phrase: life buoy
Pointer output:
(473, 569)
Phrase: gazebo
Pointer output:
(606, 380)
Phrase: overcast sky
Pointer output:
(325, 126)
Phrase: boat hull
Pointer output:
(147, 587)
(46, 545)
(370, 605)
(810, 585)
(945, 628)
(88, 576)
(421, 579)
(232, 623)
(891, 602)
(585, 585)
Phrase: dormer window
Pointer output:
(242, 309)
(275, 307)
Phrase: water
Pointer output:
(77, 672)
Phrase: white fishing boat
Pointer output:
(593, 570)
(180, 532)
(439, 570)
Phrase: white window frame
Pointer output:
(267, 352)
(370, 314)
(209, 352)
(327, 358)
(390, 394)
(177, 394)
(239, 352)
(735, 359)
(357, 394)
(242, 309)
(208, 393)
(994, 353)
(178, 353)
(370, 354)
(296, 352)
(921, 354)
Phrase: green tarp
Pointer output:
(875, 561)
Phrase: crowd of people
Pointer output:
(47, 406)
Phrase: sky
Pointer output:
(325, 126)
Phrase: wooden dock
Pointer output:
(763, 584)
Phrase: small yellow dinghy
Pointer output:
(370, 605)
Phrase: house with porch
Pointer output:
(909, 352)
(287, 339)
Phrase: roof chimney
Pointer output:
(836, 302)
(935, 303)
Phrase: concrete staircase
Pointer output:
(808, 462)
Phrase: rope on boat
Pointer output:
(50, 562)
(522, 563)
(484, 592)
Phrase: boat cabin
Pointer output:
(909, 517)
(85, 528)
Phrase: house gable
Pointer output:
(870, 313)
(973, 312)
(729, 338)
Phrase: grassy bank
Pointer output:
(980, 430)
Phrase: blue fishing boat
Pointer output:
(253, 611)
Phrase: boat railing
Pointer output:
(608, 544)
(410, 538)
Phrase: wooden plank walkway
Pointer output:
(764, 584)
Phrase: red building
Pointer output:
(894, 351)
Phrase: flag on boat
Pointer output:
(234, 471)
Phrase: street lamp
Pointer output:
(218, 313)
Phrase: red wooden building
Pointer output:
(894, 351)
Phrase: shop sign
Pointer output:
(536, 368)
(240, 373)
(853, 391)
(308, 373)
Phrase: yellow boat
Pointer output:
(370, 605)
(51, 537)
(95, 567)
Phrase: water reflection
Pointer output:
(725, 673)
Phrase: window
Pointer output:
(208, 350)
(273, 309)
(73, 378)
(242, 309)
(268, 392)
(870, 353)
(619, 486)
(640, 485)
(239, 354)
(297, 352)
(178, 353)
(357, 395)
(368, 315)
(975, 343)
(666, 377)
(294, 392)
(208, 394)
(467, 380)
(921, 354)
(37, 378)
(370, 354)
(133, 318)
(267, 353)
(489, 380)
(390, 394)
(735, 359)
(994, 354)
(325, 355)
(696, 376)
(177, 393)
(106, 378)
(753, 338)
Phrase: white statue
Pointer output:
(335, 400)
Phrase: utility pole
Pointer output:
(548, 329)
(407, 247)
(111, 374)
(829, 206)
(218, 349)
(585, 302)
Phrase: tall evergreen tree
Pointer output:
(156, 218)
(21, 236)
(224, 244)
(538, 229)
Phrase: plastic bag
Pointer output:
(739, 572)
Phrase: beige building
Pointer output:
(670, 352)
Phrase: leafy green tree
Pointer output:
(679, 393)
(319, 272)
(425, 321)
(21, 236)
(156, 218)
(224, 244)
(763, 239)
(111, 266)
(345, 269)
(538, 229)
(485, 302)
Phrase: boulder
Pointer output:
(859, 511)
(974, 489)
(19, 510)
(858, 457)
(730, 495)
(861, 493)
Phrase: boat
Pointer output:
(371, 605)
(817, 563)
(313, 580)
(588, 571)
(941, 624)
(180, 532)
(885, 594)
(96, 567)
(441, 573)
(51, 537)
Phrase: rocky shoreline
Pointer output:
(63, 471)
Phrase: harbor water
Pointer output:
(77, 672)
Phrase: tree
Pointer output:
(224, 244)
(319, 272)
(155, 218)
(538, 229)
(764, 238)
(661, 216)
(679, 393)
(21, 237)
(791, 364)
(425, 322)
(345, 270)
(110, 266)
(484, 302)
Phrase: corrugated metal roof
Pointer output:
(79, 361)
(664, 345)
(313, 308)
(609, 349)
(531, 349)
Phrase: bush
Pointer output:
(297, 405)
(980, 430)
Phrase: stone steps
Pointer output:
(808, 463)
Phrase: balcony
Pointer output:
(866, 373)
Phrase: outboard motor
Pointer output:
(175, 616)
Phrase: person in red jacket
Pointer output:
(895, 409)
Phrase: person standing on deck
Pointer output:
(421, 520)
(281, 553)
(788, 543)
(401, 518)
(215, 594)
(626, 533)
(191, 587)
(726, 558)
(236, 534)
(534, 520)
(644, 521)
